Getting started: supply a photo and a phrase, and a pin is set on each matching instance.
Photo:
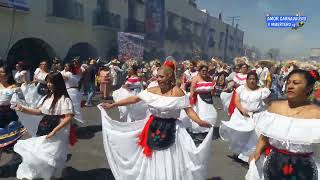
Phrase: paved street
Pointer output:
(88, 160)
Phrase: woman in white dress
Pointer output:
(39, 78)
(10, 129)
(169, 62)
(72, 79)
(132, 87)
(45, 156)
(290, 134)
(201, 92)
(21, 76)
(239, 131)
(239, 79)
(157, 148)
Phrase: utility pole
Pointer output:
(234, 18)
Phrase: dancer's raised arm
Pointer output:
(123, 102)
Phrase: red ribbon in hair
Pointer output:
(169, 64)
(193, 99)
(314, 75)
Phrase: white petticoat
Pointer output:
(130, 112)
(76, 98)
(43, 158)
(240, 133)
(182, 161)
(30, 122)
(206, 112)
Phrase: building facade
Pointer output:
(41, 30)
(315, 54)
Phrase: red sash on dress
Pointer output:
(133, 80)
(270, 148)
(72, 136)
(232, 104)
(193, 99)
(143, 138)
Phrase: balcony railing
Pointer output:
(70, 9)
(105, 18)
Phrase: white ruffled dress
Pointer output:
(205, 111)
(181, 161)
(45, 158)
(239, 131)
(287, 133)
(130, 112)
(72, 84)
(239, 79)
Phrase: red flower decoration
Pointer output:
(158, 132)
(267, 151)
(314, 75)
(317, 94)
(287, 169)
(170, 64)
(152, 135)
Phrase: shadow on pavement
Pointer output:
(215, 178)
(96, 174)
(87, 132)
(10, 168)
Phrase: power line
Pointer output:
(234, 18)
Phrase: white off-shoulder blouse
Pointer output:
(63, 106)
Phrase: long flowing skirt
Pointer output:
(76, 98)
(206, 112)
(240, 133)
(43, 158)
(130, 112)
(181, 161)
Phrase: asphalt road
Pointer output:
(88, 161)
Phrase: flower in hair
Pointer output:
(314, 75)
(169, 64)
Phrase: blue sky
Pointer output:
(252, 21)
